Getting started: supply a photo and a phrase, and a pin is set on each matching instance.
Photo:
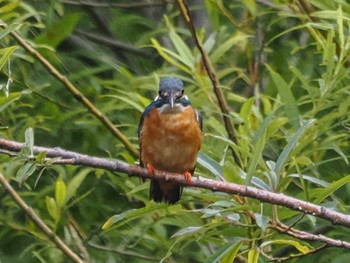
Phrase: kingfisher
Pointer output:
(170, 136)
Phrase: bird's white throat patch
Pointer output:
(166, 109)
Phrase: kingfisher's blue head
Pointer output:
(171, 90)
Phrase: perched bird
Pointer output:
(170, 136)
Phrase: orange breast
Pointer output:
(170, 141)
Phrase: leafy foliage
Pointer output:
(284, 72)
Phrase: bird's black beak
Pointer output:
(172, 99)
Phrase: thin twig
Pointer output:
(120, 251)
(293, 256)
(118, 5)
(77, 94)
(303, 235)
(38, 222)
(74, 158)
(210, 71)
(111, 42)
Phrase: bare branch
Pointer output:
(74, 158)
(118, 5)
(282, 228)
(293, 256)
(38, 222)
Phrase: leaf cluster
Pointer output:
(284, 70)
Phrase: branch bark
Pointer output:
(73, 158)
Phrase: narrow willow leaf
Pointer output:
(332, 188)
(213, 166)
(75, 183)
(257, 155)
(312, 91)
(9, 7)
(60, 30)
(6, 101)
(209, 44)
(340, 19)
(253, 256)
(25, 172)
(29, 139)
(51, 207)
(226, 253)
(139, 213)
(5, 54)
(60, 193)
(311, 179)
(187, 231)
(290, 104)
(262, 221)
(8, 29)
(168, 55)
(116, 218)
(185, 54)
(251, 6)
(127, 100)
(225, 47)
(246, 109)
(296, 244)
(255, 181)
(282, 159)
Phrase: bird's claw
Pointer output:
(188, 176)
(150, 169)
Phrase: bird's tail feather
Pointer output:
(170, 194)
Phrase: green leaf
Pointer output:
(8, 30)
(60, 30)
(253, 256)
(6, 101)
(311, 179)
(75, 183)
(213, 166)
(60, 193)
(226, 253)
(187, 231)
(297, 245)
(25, 172)
(127, 100)
(290, 104)
(168, 55)
(185, 54)
(5, 54)
(29, 141)
(227, 46)
(51, 207)
(332, 188)
(136, 213)
(262, 221)
(257, 155)
(282, 159)
(9, 7)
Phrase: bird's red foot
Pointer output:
(150, 169)
(188, 176)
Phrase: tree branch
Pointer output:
(73, 158)
(77, 94)
(38, 222)
(115, 5)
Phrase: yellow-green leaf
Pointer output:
(60, 193)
